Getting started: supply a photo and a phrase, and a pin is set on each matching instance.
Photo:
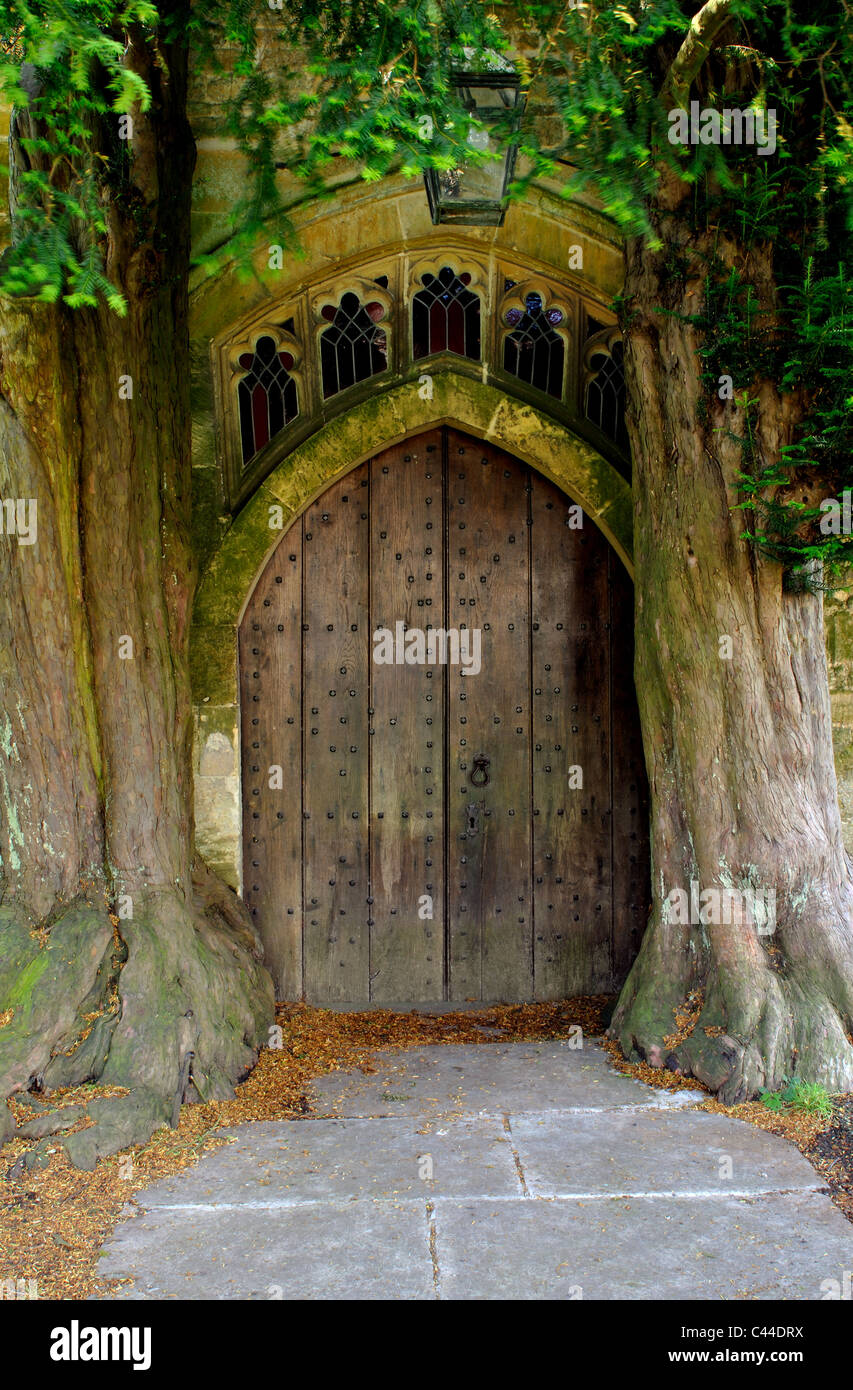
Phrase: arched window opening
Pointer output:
(605, 395)
(354, 346)
(533, 351)
(446, 316)
(267, 395)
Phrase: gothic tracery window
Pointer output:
(278, 377)
(604, 401)
(533, 350)
(267, 395)
(446, 315)
(354, 346)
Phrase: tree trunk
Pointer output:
(116, 959)
(739, 750)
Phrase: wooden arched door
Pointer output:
(419, 827)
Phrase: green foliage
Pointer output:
(612, 72)
(373, 87)
(810, 349)
(816, 355)
(66, 65)
(808, 1096)
(802, 342)
(598, 68)
(369, 84)
(799, 1095)
(773, 1100)
(336, 89)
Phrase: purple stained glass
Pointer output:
(533, 352)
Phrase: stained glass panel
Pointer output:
(446, 316)
(267, 395)
(605, 395)
(534, 352)
(354, 346)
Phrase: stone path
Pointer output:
(508, 1170)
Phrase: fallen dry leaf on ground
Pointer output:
(54, 1222)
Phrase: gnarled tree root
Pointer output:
(172, 1003)
(755, 1029)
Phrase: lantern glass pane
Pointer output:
(481, 180)
(474, 191)
(482, 100)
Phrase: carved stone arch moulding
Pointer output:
(601, 343)
(481, 409)
(455, 258)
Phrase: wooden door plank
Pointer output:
(270, 679)
(336, 645)
(407, 743)
(571, 729)
(631, 866)
(489, 891)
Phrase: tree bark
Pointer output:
(739, 751)
(101, 906)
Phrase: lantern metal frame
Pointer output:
(480, 212)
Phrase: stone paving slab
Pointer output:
(489, 1078)
(357, 1250)
(291, 1161)
(643, 1248)
(552, 1177)
(655, 1151)
(779, 1246)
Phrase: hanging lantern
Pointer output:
(474, 194)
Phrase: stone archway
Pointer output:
(480, 410)
(458, 821)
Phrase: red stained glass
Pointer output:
(260, 417)
(267, 395)
(446, 316)
(456, 328)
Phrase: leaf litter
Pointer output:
(54, 1221)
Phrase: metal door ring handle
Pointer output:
(481, 763)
